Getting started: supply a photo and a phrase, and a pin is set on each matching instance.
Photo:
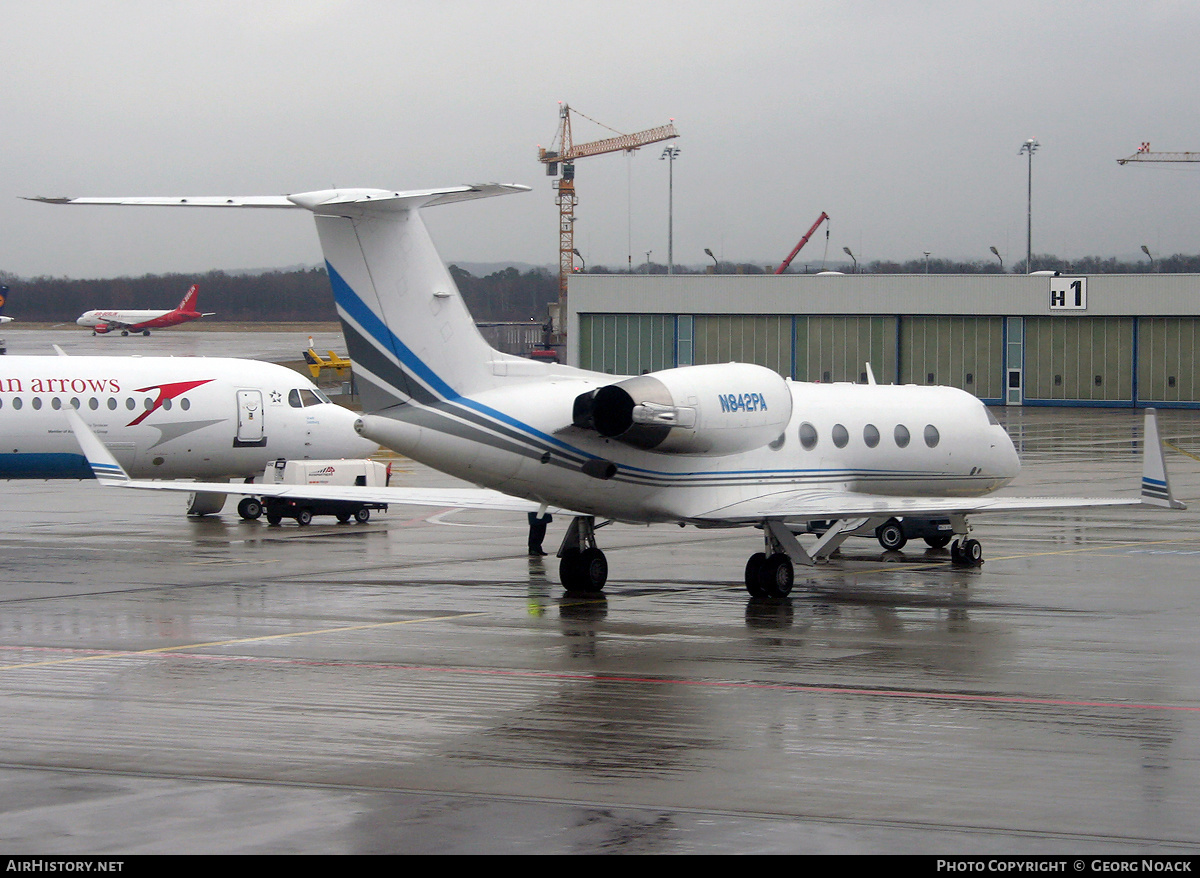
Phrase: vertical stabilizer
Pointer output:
(189, 299)
(406, 326)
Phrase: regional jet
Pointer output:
(110, 320)
(167, 418)
(713, 446)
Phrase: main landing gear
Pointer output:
(966, 553)
(582, 567)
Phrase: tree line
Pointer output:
(507, 295)
(301, 295)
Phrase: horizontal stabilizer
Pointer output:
(324, 201)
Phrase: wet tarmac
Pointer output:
(418, 685)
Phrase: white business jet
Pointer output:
(732, 445)
(167, 418)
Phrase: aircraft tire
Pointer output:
(777, 576)
(249, 509)
(891, 535)
(754, 575)
(937, 542)
(584, 572)
(972, 553)
(145, 332)
(125, 332)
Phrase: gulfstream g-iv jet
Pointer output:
(732, 445)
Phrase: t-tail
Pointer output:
(407, 329)
(406, 326)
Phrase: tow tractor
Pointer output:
(371, 473)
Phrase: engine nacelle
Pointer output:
(716, 409)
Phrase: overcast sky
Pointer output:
(902, 120)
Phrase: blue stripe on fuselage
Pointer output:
(44, 466)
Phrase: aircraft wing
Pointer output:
(109, 472)
(818, 505)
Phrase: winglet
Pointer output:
(1156, 488)
(104, 465)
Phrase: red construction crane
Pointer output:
(783, 265)
(566, 199)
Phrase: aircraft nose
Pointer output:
(1007, 463)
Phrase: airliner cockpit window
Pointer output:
(302, 398)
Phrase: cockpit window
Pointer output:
(303, 397)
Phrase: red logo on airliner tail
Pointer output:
(165, 392)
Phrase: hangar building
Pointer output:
(1098, 340)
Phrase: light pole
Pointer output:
(670, 154)
(581, 259)
(996, 253)
(851, 255)
(926, 252)
(716, 265)
(1029, 147)
(648, 252)
(1146, 250)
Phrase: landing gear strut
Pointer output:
(582, 567)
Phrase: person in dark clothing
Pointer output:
(537, 532)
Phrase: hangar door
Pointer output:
(1079, 359)
(1168, 365)
(963, 352)
(626, 344)
(838, 348)
(744, 338)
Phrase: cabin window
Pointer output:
(93, 403)
(840, 435)
(932, 437)
(871, 435)
(902, 436)
(148, 403)
(185, 403)
(167, 404)
(56, 403)
(112, 403)
(130, 404)
(75, 402)
(808, 436)
(778, 443)
(17, 402)
(36, 403)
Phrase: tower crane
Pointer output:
(1145, 155)
(566, 199)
